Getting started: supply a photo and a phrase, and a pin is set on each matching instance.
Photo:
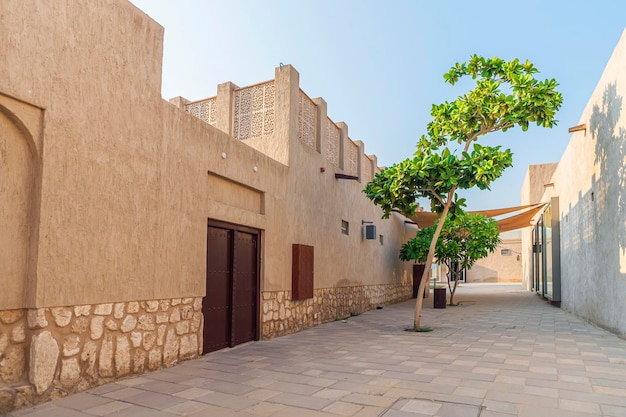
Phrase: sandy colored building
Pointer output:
(136, 233)
(575, 254)
(502, 265)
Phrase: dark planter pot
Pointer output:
(439, 300)
(418, 270)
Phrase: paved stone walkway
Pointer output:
(504, 352)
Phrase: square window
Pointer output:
(345, 227)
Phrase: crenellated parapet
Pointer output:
(268, 114)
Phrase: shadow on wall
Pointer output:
(593, 229)
(610, 153)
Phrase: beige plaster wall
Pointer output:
(106, 190)
(499, 267)
(129, 180)
(589, 183)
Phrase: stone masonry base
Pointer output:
(280, 315)
(47, 353)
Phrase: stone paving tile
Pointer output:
(294, 388)
(81, 401)
(343, 409)
(303, 401)
(190, 407)
(107, 408)
(163, 387)
(154, 400)
(232, 402)
(612, 411)
(504, 349)
(48, 410)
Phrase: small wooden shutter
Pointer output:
(302, 272)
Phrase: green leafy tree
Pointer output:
(506, 95)
(462, 241)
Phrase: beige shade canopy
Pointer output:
(518, 221)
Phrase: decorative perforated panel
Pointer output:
(254, 114)
(307, 118)
(366, 171)
(352, 153)
(333, 135)
(203, 110)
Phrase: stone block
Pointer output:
(152, 306)
(62, 316)
(97, 327)
(128, 324)
(11, 316)
(82, 310)
(175, 315)
(70, 372)
(170, 349)
(139, 361)
(133, 307)
(71, 345)
(146, 322)
(103, 309)
(187, 300)
(4, 342)
(7, 398)
(164, 305)
(80, 325)
(162, 317)
(182, 327)
(37, 318)
(13, 364)
(161, 334)
(176, 301)
(188, 346)
(23, 396)
(155, 358)
(105, 363)
(122, 356)
(118, 310)
(149, 339)
(186, 312)
(195, 322)
(18, 334)
(44, 355)
(197, 304)
(135, 339)
(89, 356)
(111, 324)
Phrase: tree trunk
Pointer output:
(453, 289)
(417, 321)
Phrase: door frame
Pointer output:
(250, 230)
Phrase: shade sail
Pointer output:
(518, 221)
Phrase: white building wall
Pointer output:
(589, 182)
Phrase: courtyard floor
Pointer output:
(503, 352)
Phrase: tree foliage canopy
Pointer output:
(464, 239)
(434, 170)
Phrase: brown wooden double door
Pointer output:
(230, 306)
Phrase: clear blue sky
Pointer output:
(379, 64)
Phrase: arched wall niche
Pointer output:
(21, 128)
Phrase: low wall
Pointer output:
(48, 353)
(281, 315)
